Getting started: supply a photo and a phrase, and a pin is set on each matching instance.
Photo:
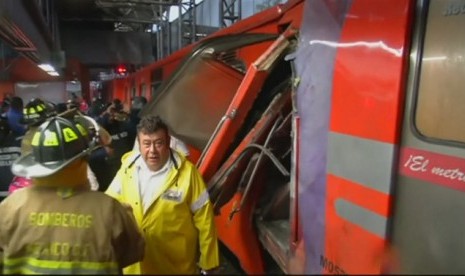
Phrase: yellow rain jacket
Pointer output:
(178, 226)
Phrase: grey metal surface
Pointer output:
(274, 235)
(348, 154)
(428, 225)
(230, 12)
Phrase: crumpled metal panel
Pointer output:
(195, 98)
(196, 102)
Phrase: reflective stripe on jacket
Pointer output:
(37, 266)
(46, 230)
(178, 226)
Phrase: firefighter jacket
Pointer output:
(49, 230)
(178, 225)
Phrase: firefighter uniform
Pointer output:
(50, 230)
(57, 225)
(178, 225)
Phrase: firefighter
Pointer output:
(171, 205)
(35, 113)
(14, 116)
(58, 225)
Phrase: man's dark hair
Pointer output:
(61, 107)
(151, 124)
(118, 104)
(17, 103)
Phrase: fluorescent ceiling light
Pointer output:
(46, 67)
(53, 73)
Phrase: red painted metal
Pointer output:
(367, 102)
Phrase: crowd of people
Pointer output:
(96, 189)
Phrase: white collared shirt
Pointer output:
(151, 182)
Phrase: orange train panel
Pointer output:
(354, 249)
(240, 106)
(265, 21)
(367, 99)
(240, 236)
(367, 103)
(292, 15)
(242, 102)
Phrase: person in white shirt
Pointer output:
(171, 205)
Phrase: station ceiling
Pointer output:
(118, 15)
(99, 33)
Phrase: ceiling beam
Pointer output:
(114, 19)
(144, 2)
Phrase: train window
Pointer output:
(154, 89)
(157, 78)
(230, 58)
(133, 92)
(142, 90)
(441, 85)
(157, 75)
(128, 94)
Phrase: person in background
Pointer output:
(70, 104)
(106, 163)
(137, 103)
(83, 106)
(57, 225)
(35, 113)
(15, 115)
(74, 100)
(5, 105)
(171, 204)
(10, 150)
(97, 107)
(61, 107)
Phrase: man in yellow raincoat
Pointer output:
(170, 202)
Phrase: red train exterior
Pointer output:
(329, 133)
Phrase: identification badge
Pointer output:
(172, 195)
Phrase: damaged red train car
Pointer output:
(329, 132)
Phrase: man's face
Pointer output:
(112, 114)
(154, 148)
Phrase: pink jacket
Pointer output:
(18, 182)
